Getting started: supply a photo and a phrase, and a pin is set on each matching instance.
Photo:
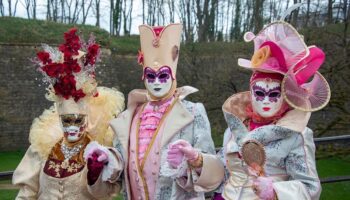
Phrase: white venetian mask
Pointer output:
(74, 126)
(266, 97)
(158, 83)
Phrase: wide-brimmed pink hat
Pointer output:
(279, 48)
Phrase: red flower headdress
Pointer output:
(69, 70)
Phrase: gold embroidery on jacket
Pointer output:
(72, 168)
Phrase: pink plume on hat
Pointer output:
(308, 66)
(284, 42)
(277, 55)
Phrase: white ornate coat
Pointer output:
(290, 154)
(45, 135)
(186, 120)
(34, 183)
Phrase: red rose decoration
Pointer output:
(72, 65)
(72, 42)
(53, 69)
(77, 94)
(44, 57)
(65, 86)
(71, 37)
(62, 74)
(93, 51)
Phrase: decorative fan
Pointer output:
(302, 93)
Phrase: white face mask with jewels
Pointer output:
(158, 83)
(73, 126)
(266, 98)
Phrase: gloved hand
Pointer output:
(217, 196)
(96, 159)
(263, 188)
(179, 150)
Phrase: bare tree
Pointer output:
(229, 3)
(34, 9)
(30, 6)
(295, 14)
(111, 13)
(307, 17)
(316, 13)
(127, 9)
(202, 13)
(237, 21)
(185, 15)
(2, 9)
(346, 14)
(97, 7)
(117, 16)
(257, 19)
(63, 11)
(171, 8)
(76, 12)
(247, 15)
(48, 10)
(68, 3)
(12, 12)
(52, 10)
(211, 20)
(330, 11)
(86, 5)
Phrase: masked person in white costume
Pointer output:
(268, 150)
(64, 160)
(164, 139)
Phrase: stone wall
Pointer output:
(217, 77)
(22, 93)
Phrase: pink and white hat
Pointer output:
(279, 48)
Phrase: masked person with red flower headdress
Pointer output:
(165, 140)
(268, 149)
(65, 159)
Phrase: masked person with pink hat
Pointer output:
(165, 140)
(65, 159)
(268, 150)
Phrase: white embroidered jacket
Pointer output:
(290, 154)
(186, 120)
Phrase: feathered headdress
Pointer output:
(279, 48)
(70, 69)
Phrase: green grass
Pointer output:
(10, 160)
(8, 194)
(18, 31)
(334, 166)
(23, 31)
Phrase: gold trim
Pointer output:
(145, 188)
(247, 159)
(140, 168)
(301, 108)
